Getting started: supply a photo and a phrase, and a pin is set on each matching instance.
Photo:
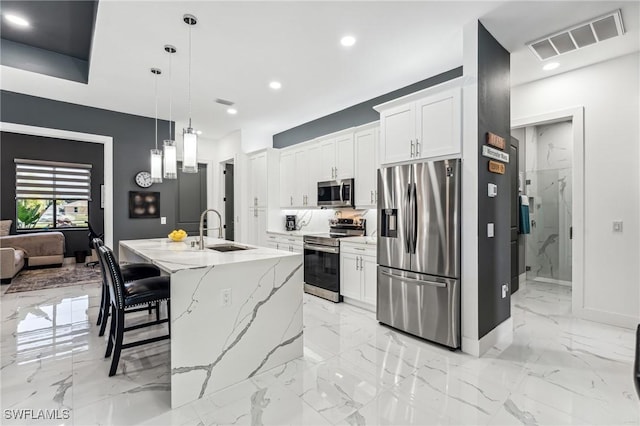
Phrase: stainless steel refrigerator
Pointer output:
(419, 249)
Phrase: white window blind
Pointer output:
(37, 179)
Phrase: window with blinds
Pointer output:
(52, 194)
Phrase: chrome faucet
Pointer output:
(202, 229)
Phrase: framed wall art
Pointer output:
(144, 204)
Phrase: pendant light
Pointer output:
(189, 137)
(169, 145)
(156, 154)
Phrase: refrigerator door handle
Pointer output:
(414, 280)
(407, 219)
(414, 211)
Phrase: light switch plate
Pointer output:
(492, 190)
(490, 230)
(163, 220)
(617, 226)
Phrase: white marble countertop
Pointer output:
(175, 256)
(370, 241)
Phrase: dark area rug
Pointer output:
(64, 276)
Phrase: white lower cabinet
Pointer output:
(257, 230)
(358, 274)
(285, 242)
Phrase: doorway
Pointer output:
(192, 198)
(228, 200)
(548, 187)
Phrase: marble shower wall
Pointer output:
(549, 188)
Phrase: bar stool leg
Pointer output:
(112, 332)
(105, 315)
(118, 318)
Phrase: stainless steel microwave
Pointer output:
(336, 193)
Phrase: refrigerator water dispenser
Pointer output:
(389, 223)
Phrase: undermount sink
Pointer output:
(228, 247)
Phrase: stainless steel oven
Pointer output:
(322, 267)
(336, 193)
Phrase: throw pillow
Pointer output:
(5, 226)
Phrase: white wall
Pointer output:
(609, 93)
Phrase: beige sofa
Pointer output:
(33, 249)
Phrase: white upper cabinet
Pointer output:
(439, 125)
(366, 166)
(287, 179)
(336, 157)
(327, 159)
(423, 125)
(344, 156)
(298, 176)
(258, 180)
(397, 130)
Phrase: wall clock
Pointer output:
(143, 179)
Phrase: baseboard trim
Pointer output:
(608, 318)
(502, 334)
(69, 260)
(359, 304)
(552, 281)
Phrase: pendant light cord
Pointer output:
(156, 89)
(190, 75)
(170, 97)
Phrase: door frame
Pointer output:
(576, 115)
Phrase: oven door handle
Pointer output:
(323, 249)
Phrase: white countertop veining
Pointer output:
(370, 241)
(175, 256)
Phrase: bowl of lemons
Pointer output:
(177, 235)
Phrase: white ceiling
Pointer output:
(238, 47)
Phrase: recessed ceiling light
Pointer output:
(551, 66)
(348, 41)
(17, 20)
(275, 85)
(232, 111)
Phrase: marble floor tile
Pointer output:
(557, 370)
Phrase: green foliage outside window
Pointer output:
(30, 211)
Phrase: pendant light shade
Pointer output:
(190, 151)
(156, 154)
(156, 166)
(170, 159)
(169, 145)
(189, 137)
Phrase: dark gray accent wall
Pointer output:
(494, 257)
(13, 145)
(355, 115)
(133, 137)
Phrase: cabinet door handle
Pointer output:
(291, 200)
(417, 147)
(357, 268)
(376, 197)
(412, 149)
(371, 197)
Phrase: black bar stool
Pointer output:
(130, 272)
(135, 293)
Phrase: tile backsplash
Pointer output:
(318, 220)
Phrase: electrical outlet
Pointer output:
(490, 230)
(225, 297)
(505, 290)
(163, 220)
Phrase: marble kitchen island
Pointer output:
(233, 314)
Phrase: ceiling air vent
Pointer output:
(579, 36)
(224, 102)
